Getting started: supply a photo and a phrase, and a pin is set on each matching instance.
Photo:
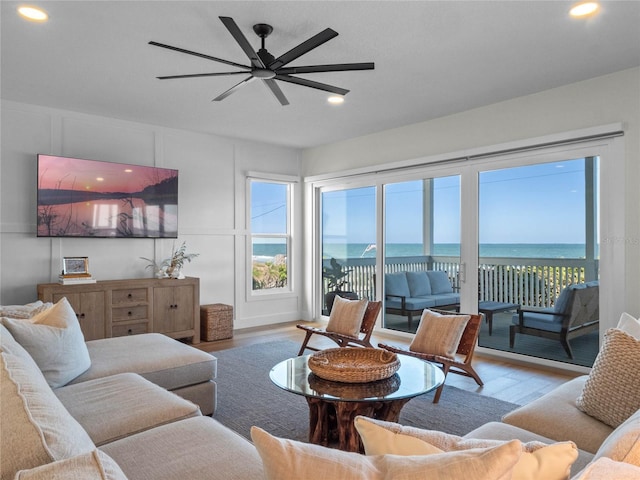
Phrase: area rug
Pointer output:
(247, 397)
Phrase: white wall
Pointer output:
(600, 101)
(211, 210)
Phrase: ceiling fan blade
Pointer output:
(239, 37)
(303, 48)
(275, 89)
(201, 55)
(195, 75)
(338, 67)
(309, 83)
(237, 86)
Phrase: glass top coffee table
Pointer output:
(334, 405)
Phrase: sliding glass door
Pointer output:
(422, 234)
(348, 244)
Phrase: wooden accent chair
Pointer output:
(362, 340)
(461, 362)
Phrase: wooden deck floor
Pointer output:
(503, 379)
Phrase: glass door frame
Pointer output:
(612, 238)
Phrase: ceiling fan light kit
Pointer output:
(266, 67)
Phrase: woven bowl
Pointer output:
(354, 365)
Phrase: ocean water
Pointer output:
(513, 250)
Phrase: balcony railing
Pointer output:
(534, 282)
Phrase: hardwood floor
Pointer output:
(505, 380)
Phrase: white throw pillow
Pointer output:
(55, 341)
(284, 459)
(346, 316)
(439, 334)
(629, 324)
(537, 462)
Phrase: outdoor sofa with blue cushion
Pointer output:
(575, 312)
(409, 293)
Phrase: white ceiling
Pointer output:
(433, 58)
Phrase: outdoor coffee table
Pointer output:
(334, 405)
(489, 308)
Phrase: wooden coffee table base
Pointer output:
(331, 421)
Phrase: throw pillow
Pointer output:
(607, 469)
(418, 284)
(610, 393)
(24, 311)
(623, 444)
(537, 462)
(291, 459)
(95, 465)
(629, 324)
(346, 316)
(55, 341)
(439, 334)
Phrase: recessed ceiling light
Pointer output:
(583, 9)
(335, 99)
(33, 13)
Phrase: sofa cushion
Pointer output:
(418, 284)
(439, 334)
(346, 316)
(607, 469)
(94, 465)
(24, 311)
(291, 459)
(396, 284)
(611, 393)
(537, 462)
(54, 339)
(411, 303)
(192, 449)
(623, 444)
(542, 321)
(158, 358)
(564, 421)
(36, 428)
(120, 405)
(439, 281)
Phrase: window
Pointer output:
(270, 227)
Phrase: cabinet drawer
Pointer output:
(138, 312)
(130, 295)
(131, 329)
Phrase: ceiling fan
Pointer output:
(266, 67)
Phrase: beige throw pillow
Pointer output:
(346, 316)
(611, 393)
(284, 459)
(24, 311)
(95, 465)
(55, 341)
(537, 462)
(439, 334)
(607, 469)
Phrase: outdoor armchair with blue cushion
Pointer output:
(576, 312)
(409, 293)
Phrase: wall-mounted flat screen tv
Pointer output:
(89, 198)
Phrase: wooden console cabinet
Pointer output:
(113, 308)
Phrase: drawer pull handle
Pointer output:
(129, 296)
(129, 313)
(130, 331)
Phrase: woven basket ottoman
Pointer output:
(216, 322)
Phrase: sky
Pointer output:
(541, 203)
(90, 175)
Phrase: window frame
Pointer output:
(290, 182)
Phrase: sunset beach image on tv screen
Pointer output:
(89, 198)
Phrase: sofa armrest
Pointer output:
(403, 300)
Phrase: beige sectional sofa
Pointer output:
(116, 424)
